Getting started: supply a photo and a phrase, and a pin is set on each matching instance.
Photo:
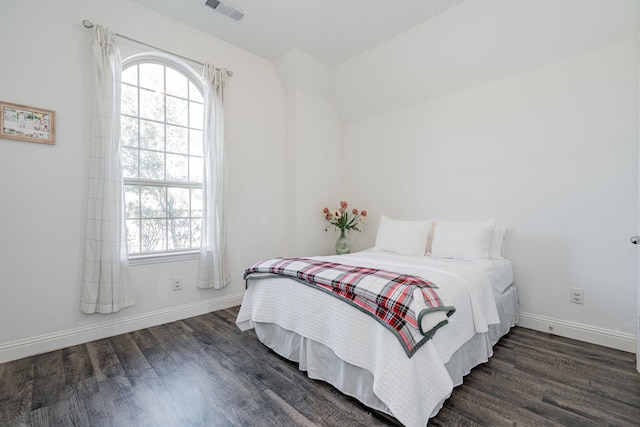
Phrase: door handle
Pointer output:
(635, 240)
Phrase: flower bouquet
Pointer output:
(341, 219)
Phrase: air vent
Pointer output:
(226, 8)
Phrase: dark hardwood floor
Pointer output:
(203, 371)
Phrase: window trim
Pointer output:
(177, 64)
(164, 59)
(166, 256)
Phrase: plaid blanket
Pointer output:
(398, 301)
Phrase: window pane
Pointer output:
(177, 84)
(179, 234)
(133, 236)
(177, 167)
(152, 77)
(130, 162)
(129, 100)
(151, 135)
(130, 75)
(129, 131)
(195, 142)
(195, 94)
(177, 202)
(151, 105)
(196, 203)
(154, 235)
(132, 201)
(195, 232)
(154, 200)
(151, 165)
(196, 169)
(196, 115)
(177, 111)
(177, 139)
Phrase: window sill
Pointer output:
(163, 257)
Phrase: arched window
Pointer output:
(162, 116)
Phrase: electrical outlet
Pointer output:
(176, 283)
(577, 295)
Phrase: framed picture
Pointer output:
(27, 123)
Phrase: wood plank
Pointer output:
(144, 339)
(77, 364)
(483, 406)
(526, 395)
(133, 362)
(104, 361)
(40, 417)
(545, 364)
(580, 349)
(184, 384)
(279, 374)
(297, 418)
(48, 380)
(241, 404)
(450, 418)
(75, 406)
(16, 390)
(88, 392)
(122, 406)
(117, 398)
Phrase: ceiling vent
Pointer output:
(226, 8)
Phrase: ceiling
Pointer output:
(332, 31)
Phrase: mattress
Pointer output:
(364, 360)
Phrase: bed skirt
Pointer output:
(321, 363)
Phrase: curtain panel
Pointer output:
(214, 270)
(106, 287)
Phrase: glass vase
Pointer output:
(342, 244)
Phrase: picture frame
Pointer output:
(24, 123)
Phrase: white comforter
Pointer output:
(412, 388)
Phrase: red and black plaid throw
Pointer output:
(398, 301)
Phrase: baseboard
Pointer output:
(53, 341)
(578, 331)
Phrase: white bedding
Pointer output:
(411, 388)
(499, 272)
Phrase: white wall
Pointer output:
(537, 128)
(474, 42)
(46, 62)
(315, 153)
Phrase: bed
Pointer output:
(353, 351)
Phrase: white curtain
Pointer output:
(106, 286)
(213, 269)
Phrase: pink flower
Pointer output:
(344, 219)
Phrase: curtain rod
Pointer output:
(88, 24)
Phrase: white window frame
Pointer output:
(170, 61)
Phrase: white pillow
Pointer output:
(462, 239)
(496, 247)
(403, 237)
